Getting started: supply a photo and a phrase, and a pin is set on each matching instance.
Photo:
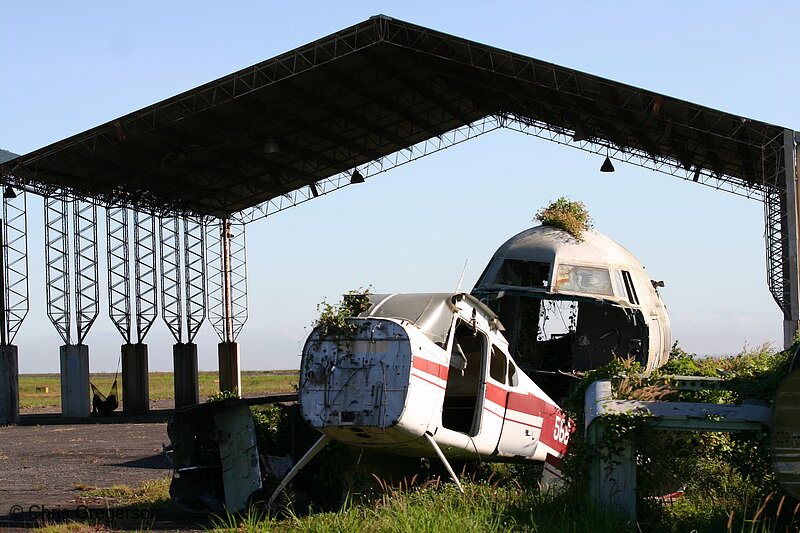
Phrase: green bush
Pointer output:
(567, 215)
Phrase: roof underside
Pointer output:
(361, 94)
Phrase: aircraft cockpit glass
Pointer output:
(534, 274)
(588, 280)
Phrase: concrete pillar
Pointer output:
(9, 385)
(187, 387)
(230, 376)
(135, 379)
(75, 380)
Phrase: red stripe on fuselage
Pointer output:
(529, 404)
(429, 367)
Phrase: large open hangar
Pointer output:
(181, 178)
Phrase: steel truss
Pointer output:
(227, 278)
(770, 190)
(145, 268)
(179, 279)
(119, 272)
(57, 269)
(119, 279)
(15, 261)
(56, 252)
(373, 168)
(87, 288)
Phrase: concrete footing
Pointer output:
(75, 380)
(9, 385)
(187, 387)
(135, 379)
(230, 376)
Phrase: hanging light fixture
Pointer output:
(607, 165)
(9, 192)
(356, 177)
(314, 191)
(271, 147)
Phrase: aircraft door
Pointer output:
(521, 430)
(496, 398)
(464, 395)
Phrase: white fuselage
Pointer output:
(389, 384)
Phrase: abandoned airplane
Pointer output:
(433, 375)
(427, 375)
(570, 305)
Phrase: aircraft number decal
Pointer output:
(561, 430)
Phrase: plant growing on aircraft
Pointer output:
(572, 217)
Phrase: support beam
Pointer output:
(75, 380)
(9, 385)
(230, 375)
(135, 379)
(791, 237)
(187, 387)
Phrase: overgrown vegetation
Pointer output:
(728, 477)
(573, 217)
(333, 318)
(436, 507)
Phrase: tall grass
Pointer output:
(440, 508)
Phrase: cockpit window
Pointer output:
(589, 280)
(523, 273)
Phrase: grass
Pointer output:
(161, 386)
(440, 508)
(149, 494)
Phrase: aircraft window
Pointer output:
(497, 366)
(632, 297)
(513, 379)
(584, 279)
(620, 285)
(523, 273)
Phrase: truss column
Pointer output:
(228, 297)
(791, 237)
(135, 377)
(135, 372)
(13, 299)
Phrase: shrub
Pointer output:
(570, 216)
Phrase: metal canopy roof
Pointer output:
(361, 94)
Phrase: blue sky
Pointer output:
(69, 66)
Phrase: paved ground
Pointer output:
(45, 459)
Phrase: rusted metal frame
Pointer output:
(56, 251)
(119, 278)
(145, 268)
(171, 281)
(194, 263)
(87, 287)
(372, 168)
(227, 278)
(15, 263)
